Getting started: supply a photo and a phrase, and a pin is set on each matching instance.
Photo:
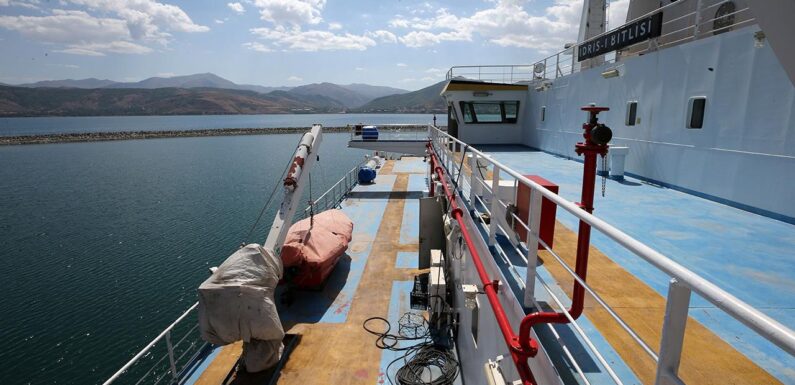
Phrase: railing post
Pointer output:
(573, 54)
(171, 359)
(495, 205)
(697, 21)
(673, 333)
(534, 223)
(474, 182)
(557, 65)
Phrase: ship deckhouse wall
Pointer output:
(743, 155)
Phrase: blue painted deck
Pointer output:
(365, 206)
(748, 255)
(410, 164)
(418, 183)
(410, 226)
(407, 260)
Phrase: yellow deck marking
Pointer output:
(343, 353)
(706, 358)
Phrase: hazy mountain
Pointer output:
(373, 92)
(45, 97)
(339, 93)
(72, 83)
(420, 101)
(22, 101)
(206, 80)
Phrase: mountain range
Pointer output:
(205, 94)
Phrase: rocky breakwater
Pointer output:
(134, 135)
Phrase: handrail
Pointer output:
(682, 278)
(765, 326)
(149, 346)
(552, 67)
(339, 189)
(489, 286)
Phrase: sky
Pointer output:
(404, 44)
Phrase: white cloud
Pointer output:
(218, 21)
(293, 12)
(237, 7)
(70, 66)
(294, 79)
(166, 74)
(295, 39)
(359, 69)
(617, 13)
(123, 26)
(99, 49)
(434, 70)
(402, 65)
(507, 24)
(29, 4)
(147, 19)
(383, 36)
(334, 26)
(257, 46)
(67, 27)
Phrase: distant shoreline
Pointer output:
(137, 135)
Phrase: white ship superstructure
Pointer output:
(483, 253)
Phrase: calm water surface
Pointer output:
(103, 244)
(55, 125)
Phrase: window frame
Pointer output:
(691, 104)
(469, 107)
(634, 120)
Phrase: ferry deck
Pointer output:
(747, 254)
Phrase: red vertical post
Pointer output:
(592, 146)
(589, 149)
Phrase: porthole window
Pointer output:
(543, 113)
(632, 113)
(695, 112)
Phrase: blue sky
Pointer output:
(407, 44)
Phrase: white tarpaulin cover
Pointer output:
(236, 303)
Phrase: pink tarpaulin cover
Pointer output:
(316, 247)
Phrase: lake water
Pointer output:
(103, 244)
(56, 125)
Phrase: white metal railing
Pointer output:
(394, 132)
(452, 153)
(334, 195)
(687, 23)
(179, 356)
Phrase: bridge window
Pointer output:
(490, 112)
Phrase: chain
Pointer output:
(604, 174)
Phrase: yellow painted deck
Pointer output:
(343, 353)
(346, 354)
(706, 358)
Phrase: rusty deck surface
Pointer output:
(343, 353)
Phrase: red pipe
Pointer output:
(490, 287)
(589, 149)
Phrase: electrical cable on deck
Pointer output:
(418, 359)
